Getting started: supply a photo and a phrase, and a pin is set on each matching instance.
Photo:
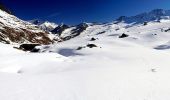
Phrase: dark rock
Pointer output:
(92, 39)
(123, 35)
(79, 48)
(91, 45)
(100, 33)
(29, 47)
(154, 34)
(117, 29)
(145, 23)
(162, 47)
(167, 30)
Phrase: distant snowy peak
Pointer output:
(48, 26)
(154, 15)
(44, 25)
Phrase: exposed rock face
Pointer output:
(14, 30)
(58, 30)
(76, 31)
(24, 35)
(66, 32)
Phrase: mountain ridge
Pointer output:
(154, 15)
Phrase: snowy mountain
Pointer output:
(44, 25)
(154, 15)
(48, 26)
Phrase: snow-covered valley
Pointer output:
(112, 61)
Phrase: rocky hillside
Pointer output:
(15, 30)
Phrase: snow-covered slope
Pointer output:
(117, 69)
(14, 30)
(112, 61)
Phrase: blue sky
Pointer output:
(77, 11)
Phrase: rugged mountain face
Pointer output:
(58, 30)
(14, 30)
(66, 32)
(154, 15)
